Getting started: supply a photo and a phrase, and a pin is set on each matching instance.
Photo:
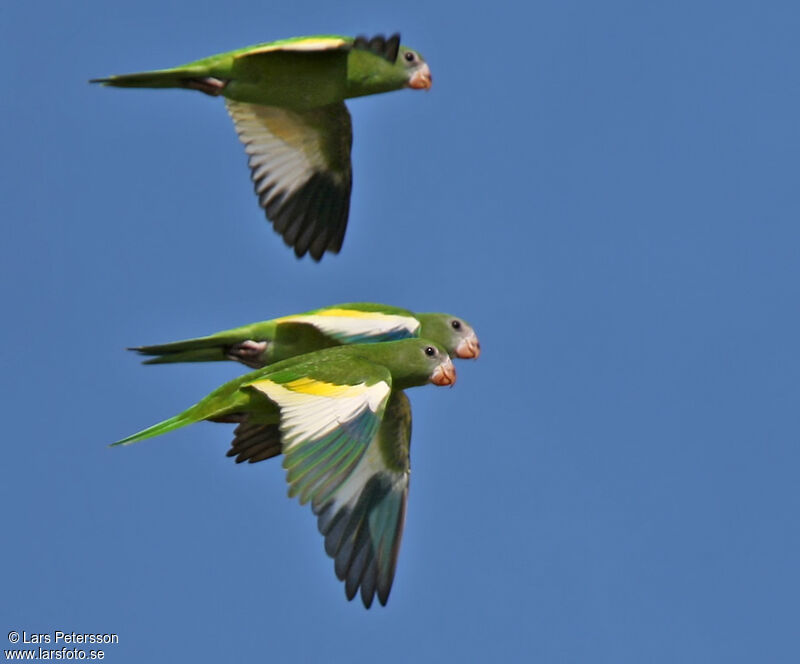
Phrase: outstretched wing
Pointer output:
(300, 165)
(363, 523)
(346, 450)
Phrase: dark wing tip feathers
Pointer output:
(313, 219)
(255, 442)
(380, 46)
(349, 541)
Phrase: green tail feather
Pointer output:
(166, 78)
(214, 354)
(211, 348)
(222, 402)
(181, 420)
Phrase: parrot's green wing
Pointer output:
(363, 523)
(300, 166)
(346, 449)
(328, 417)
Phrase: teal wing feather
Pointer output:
(363, 534)
(346, 451)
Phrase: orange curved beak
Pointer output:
(469, 348)
(421, 79)
(444, 374)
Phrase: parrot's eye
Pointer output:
(409, 56)
(430, 351)
(456, 324)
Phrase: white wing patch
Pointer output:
(350, 325)
(300, 165)
(311, 409)
(302, 44)
(370, 464)
(283, 150)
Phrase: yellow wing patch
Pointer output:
(317, 388)
(339, 313)
(305, 44)
(323, 389)
(351, 313)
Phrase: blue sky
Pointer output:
(608, 192)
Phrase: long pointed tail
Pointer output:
(181, 420)
(237, 344)
(166, 355)
(225, 404)
(167, 78)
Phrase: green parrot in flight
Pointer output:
(345, 428)
(286, 99)
(259, 344)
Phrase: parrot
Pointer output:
(345, 428)
(286, 99)
(259, 344)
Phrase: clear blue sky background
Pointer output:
(607, 191)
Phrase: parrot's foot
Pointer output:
(209, 85)
(248, 352)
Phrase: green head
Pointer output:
(451, 332)
(411, 362)
(417, 72)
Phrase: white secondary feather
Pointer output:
(313, 409)
(311, 44)
(370, 464)
(283, 149)
(350, 324)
